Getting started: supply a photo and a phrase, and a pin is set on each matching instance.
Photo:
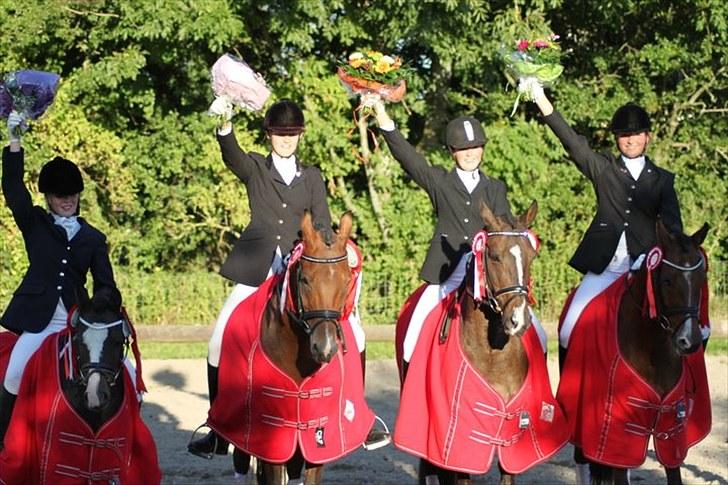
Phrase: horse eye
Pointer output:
(666, 282)
(304, 281)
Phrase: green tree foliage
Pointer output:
(135, 86)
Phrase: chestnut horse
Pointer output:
(490, 329)
(658, 347)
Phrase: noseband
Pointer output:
(664, 312)
(110, 374)
(300, 316)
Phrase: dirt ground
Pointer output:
(177, 403)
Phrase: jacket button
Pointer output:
(68, 248)
(467, 202)
(627, 211)
(466, 220)
(62, 273)
(59, 288)
(465, 237)
(284, 205)
(631, 186)
(626, 224)
(280, 221)
(629, 199)
(278, 237)
(64, 261)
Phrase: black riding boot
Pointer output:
(7, 402)
(211, 443)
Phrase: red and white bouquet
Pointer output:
(372, 72)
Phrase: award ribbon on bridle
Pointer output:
(480, 242)
(654, 258)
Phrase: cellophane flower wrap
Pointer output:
(367, 72)
(29, 93)
(235, 81)
(534, 55)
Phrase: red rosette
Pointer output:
(390, 92)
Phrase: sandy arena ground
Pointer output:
(177, 403)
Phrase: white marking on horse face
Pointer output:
(516, 252)
(92, 391)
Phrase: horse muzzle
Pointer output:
(98, 392)
(687, 338)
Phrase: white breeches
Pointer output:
(433, 294)
(591, 285)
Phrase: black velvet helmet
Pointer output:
(630, 118)
(464, 132)
(60, 177)
(284, 118)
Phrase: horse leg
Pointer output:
(430, 474)
(505, 477)
(313, 474)
(241, 463)
(581, 465)
(602, 474)
(274, 474)
(673, 476)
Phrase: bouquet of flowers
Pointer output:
(373, 72)
(529, 59)
(29, 93)
(236, 84)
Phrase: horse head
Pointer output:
(678, 280)
(509, 250)
(319, 283)
(100, 337)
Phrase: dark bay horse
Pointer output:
(491, 329)
(307, 333)
(77, 414)
(656, 347)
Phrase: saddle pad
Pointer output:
(450, 416)
(611, 411)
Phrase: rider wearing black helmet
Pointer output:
(632, 194)
(62, 248)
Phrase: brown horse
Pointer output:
(303, 338)
(491, 329)
(656, 347)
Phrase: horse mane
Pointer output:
(327, 234)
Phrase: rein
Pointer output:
(300, 316)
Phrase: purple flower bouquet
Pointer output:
(234, 80)
(29, 93)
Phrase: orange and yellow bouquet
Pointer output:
(374, 72)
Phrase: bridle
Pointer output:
(300, 316)
(663, 311)
(490, 298)
(110, 374)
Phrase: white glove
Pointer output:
(531, 88)
(222, 107)
(370, 100)
(16, 126)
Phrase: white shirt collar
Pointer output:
(69, 224)
(287, 167)
(634, 165)
(469, 179)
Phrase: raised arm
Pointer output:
(238, 161)
(411, 161)
(589, 162)
(15, 192)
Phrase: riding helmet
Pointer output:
(464, 132)
(284, 118)
(60, 177)
(630, 118)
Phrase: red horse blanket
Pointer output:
(263, 412)
(612, 412)
(450, 416)
(47, 442)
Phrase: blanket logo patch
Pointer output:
(320, 437)
(349, 412)
(547, 412)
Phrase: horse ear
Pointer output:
(345, 225)
(489, 219)
(700, 234)
(527, 218)
(307, 229)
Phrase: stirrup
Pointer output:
(202, 454)
(383, 441)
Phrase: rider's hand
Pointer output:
(222, 107)
(16, 126)
(531, 87)
(369, 100)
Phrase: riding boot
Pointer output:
(7, 403)
(211, 443)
